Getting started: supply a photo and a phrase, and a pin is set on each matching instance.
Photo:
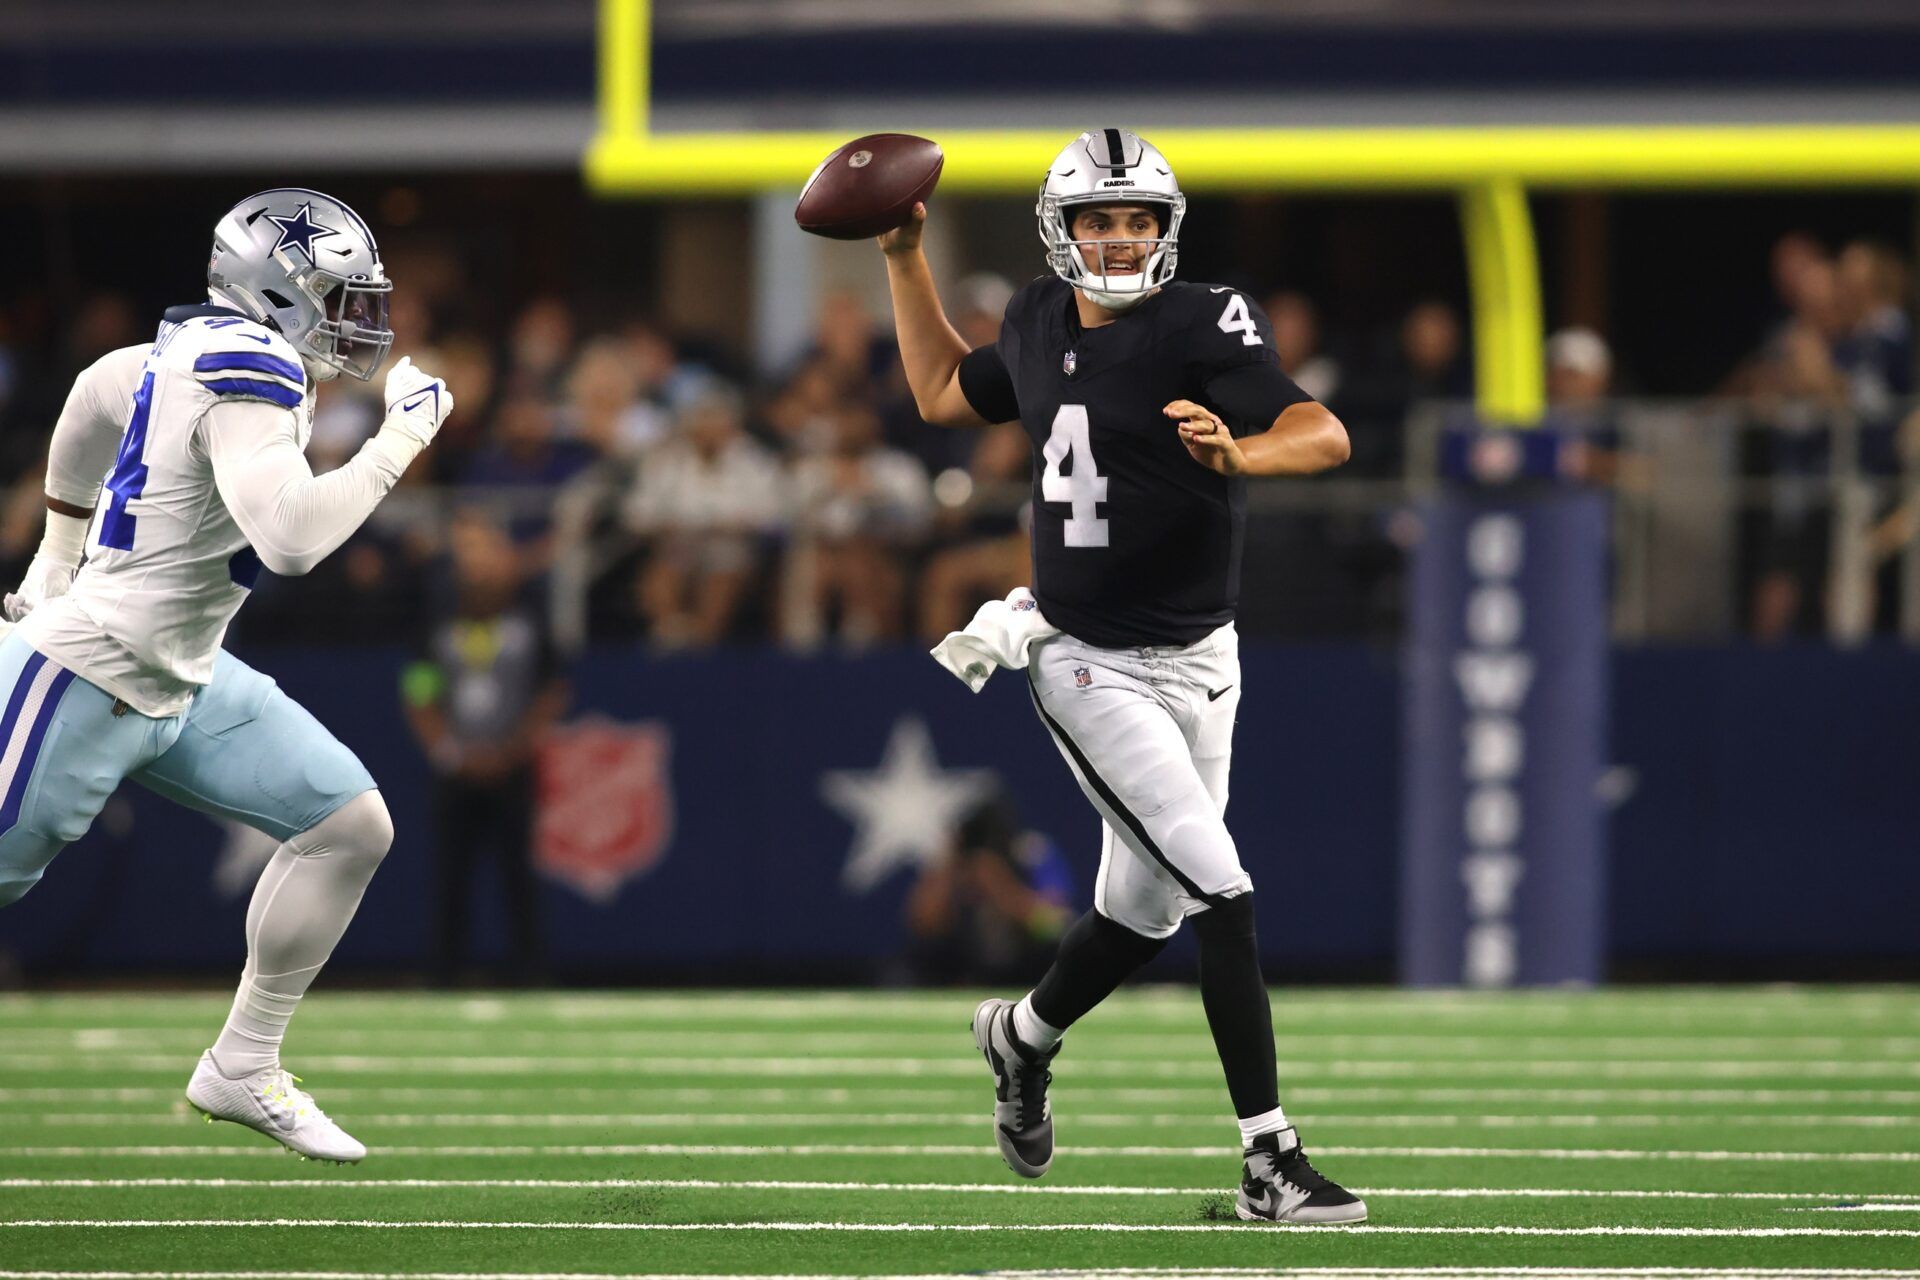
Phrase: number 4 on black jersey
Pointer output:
(1134, 542)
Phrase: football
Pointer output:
(869, 186)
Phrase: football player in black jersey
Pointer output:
(1149, 402)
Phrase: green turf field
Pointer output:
(1708, 1133)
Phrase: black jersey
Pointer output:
(1134, 542)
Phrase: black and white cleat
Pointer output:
(1278, 1185)
(1022, 1116)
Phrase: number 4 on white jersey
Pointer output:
(1084, 489)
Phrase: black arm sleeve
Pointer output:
(1231, 357)
(988, 386)
(1253, 395)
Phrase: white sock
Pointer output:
(1033, 1033)
(1253, 1126)
(300, 907)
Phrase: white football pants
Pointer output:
(1148, 733)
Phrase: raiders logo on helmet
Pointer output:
(1110, 166)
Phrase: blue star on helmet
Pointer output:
(300, 231)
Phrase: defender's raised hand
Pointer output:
(417, 402)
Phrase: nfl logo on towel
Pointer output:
(1067, 362)
(1082, 677)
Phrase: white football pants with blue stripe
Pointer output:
(1148, 733)
(242, 750)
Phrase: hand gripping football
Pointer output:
(869, 186)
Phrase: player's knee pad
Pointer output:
(1202, 852)
(23, 859)
(14, 887)
(358, 832)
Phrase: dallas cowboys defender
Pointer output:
(1148, 402)
(116, 671)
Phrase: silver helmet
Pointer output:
(1110, 166)
(305, 264)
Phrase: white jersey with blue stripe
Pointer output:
(167, 567)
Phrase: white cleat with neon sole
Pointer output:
(272, 1102)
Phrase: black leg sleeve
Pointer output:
(1235, 996)
(1096, 955)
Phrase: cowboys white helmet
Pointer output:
(1110, 166)
(305, 264)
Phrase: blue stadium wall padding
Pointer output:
(754, 871)
(1504, 841)
(1765, 810)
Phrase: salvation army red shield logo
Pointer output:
(605, 803)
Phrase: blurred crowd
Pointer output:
(1828, 388)
(699, 504)
(692, 503)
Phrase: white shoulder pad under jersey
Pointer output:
(233, 358)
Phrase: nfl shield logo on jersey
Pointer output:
(1067, 363)
(1082, 677)
(605, 804)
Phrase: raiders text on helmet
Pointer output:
(1110, 167)
(305, 264)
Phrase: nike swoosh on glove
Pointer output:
(417, 402)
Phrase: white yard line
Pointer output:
(211, 1151)
(1296, 1273)
(442, 1066)
(1454, 1272)
(1468, 1273)
(1885, 1201)
(1194, 1273)
(974, 1118)
(1160, 1095)
(936, 1228)
(1882, 1206)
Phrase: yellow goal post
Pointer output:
(1490, 169)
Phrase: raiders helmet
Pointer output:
(305, 264)
(1119, 167)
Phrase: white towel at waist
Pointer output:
(999, 636)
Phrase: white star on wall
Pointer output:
(904, 810)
